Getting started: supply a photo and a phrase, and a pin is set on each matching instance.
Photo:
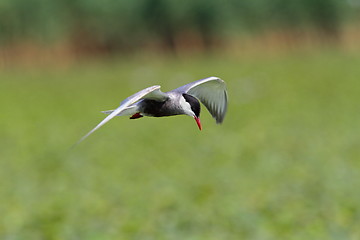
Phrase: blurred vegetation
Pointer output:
(283, 165)
(111, 25)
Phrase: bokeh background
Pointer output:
(283, 165)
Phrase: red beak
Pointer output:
(198, 122)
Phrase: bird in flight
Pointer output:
(152, 102)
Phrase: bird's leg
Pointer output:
(136, 115)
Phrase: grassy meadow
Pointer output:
(285, 164)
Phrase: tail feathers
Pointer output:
(126, 112)
(110, 111)
(107, 112)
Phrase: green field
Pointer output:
(284, 165)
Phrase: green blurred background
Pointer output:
(283, 165)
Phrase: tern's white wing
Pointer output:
(211, 92)
(150, 92)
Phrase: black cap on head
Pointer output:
(194, 103)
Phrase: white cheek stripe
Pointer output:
(186, 107)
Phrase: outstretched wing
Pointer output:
(150, 92)
(212, 93)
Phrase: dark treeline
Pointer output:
(111, 25)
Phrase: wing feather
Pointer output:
(212, 93)
(150, 92)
